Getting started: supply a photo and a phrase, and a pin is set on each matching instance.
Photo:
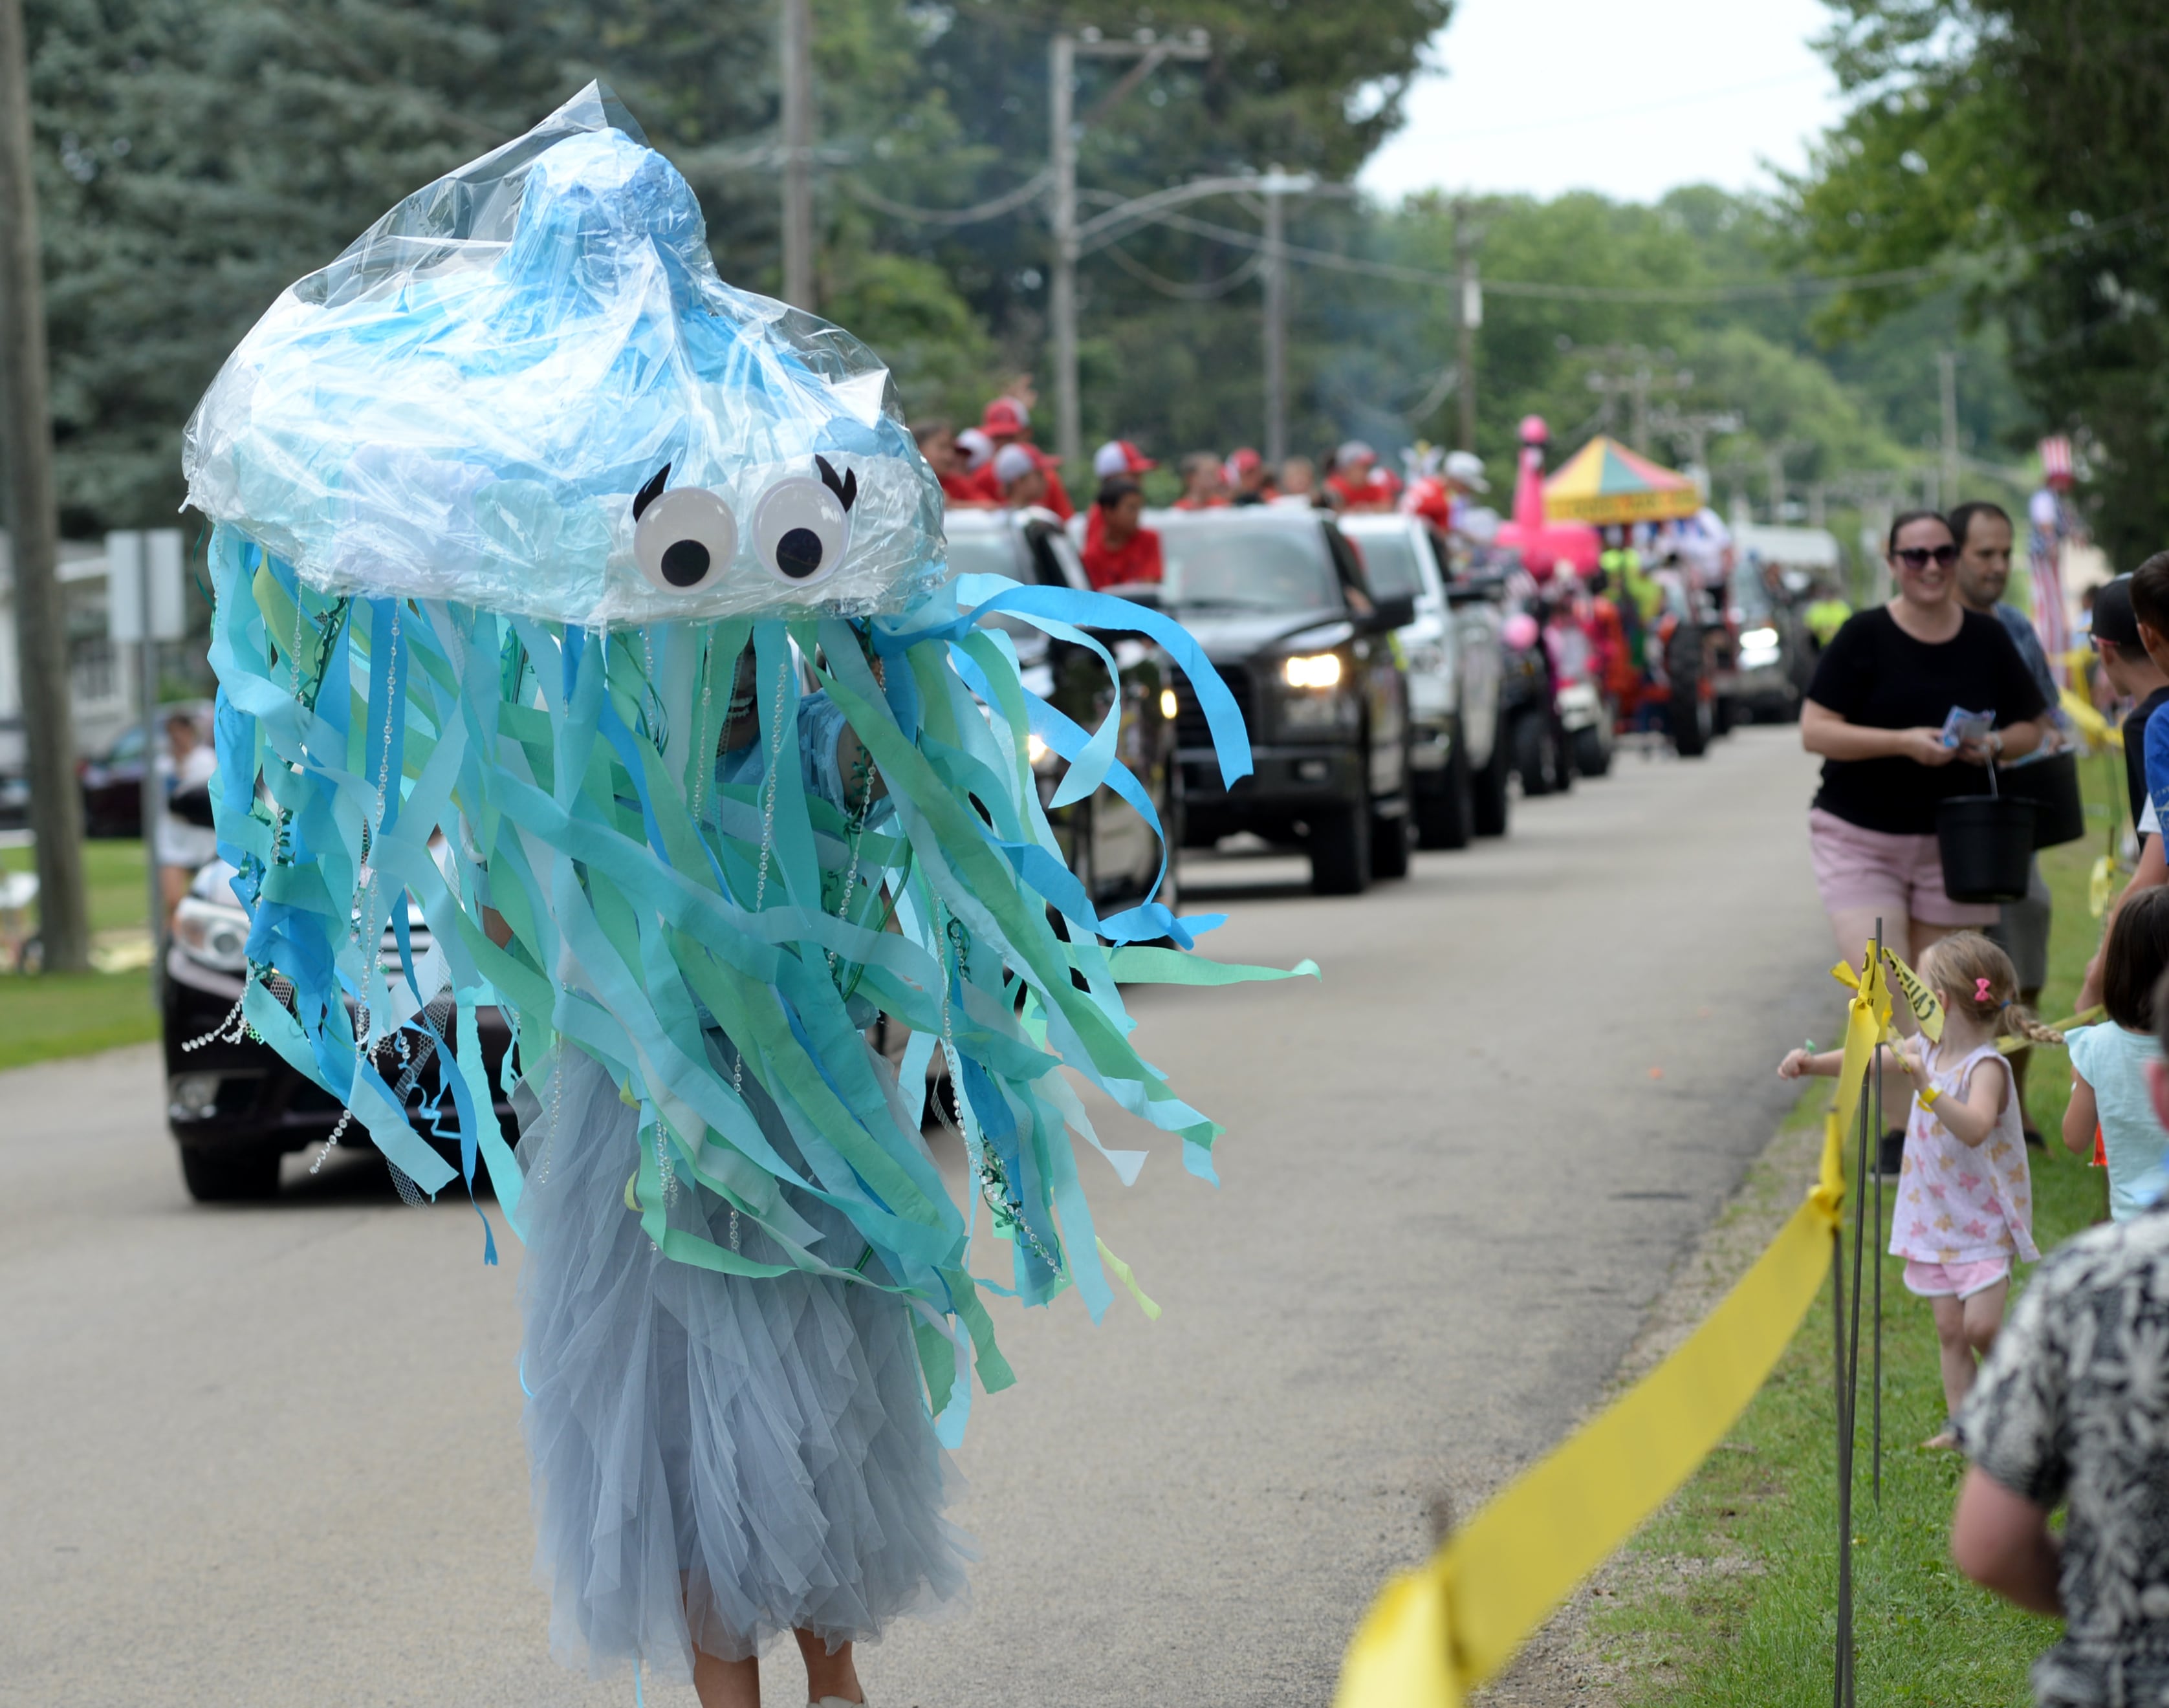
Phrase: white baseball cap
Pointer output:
(1012, 462)
(1464, 468)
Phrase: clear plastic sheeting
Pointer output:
(472, 402)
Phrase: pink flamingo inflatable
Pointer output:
(1544, 544)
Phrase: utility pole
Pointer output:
(1275, 186)
(1636, 385)
(1472, 317)
(26, 430)
(1774, 464)
(1698, 428)
(797, 48)
(1062, 130)
(1947, 365)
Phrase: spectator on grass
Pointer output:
(1982, 532)
(2136, 677)
(2109, 1119)
(2072, 1409)
(1875, 711)
(2150, 608)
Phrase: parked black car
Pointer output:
(1106, 840)
(236, 1107)
(1278, 600)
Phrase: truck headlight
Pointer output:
(212, 933)
(1313, 670)
(1758, 648)
(1169, 705)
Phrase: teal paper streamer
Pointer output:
(447, 695)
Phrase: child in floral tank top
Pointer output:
(1965, 1195)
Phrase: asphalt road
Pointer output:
(271, 1456)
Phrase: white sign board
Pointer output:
(145, 569)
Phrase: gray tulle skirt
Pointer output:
(716, 1459)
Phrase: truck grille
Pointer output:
(1190, 729)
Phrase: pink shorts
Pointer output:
(1901, 875)
(1954, 1280)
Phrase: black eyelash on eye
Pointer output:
(846, 489)
(650, 492)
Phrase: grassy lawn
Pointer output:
(71, 1015)
(1730, 1596)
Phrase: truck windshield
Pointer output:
(1239, 567)
(1389, 564)
(987, 553)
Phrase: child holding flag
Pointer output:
(1965, 1195)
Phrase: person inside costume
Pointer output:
(595, 612)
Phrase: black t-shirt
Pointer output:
(2134, 752)
(1875, 674)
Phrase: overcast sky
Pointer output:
(1631, 100)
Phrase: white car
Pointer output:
(1458, 763)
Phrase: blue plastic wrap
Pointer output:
(541, 555)
(465, 404)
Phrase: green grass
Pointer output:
(72, 1015)
(1729, 1597)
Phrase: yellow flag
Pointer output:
(1928, 1009)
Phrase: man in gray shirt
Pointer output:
(1984, 533)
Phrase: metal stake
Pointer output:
(1877, 1265)
(1840, 1681)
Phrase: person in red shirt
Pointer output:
(1202, 486)
(1020, 477)
(1252, 480)
(1006, 423)
(1357, 481)
(1118, 456)
(937, 443)
(1119, 549)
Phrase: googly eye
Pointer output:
(686, 538)
(800, 529)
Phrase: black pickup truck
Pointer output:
(1278, 599)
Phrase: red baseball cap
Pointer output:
(1118, 456)
(1004, 417)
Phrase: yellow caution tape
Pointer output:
(2097, 730)
(1927, 1008)
(1436, 1633)
(2098, 884)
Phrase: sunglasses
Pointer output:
(1918, 557)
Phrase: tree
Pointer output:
(2019, 143)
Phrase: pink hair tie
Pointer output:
(1980, 990)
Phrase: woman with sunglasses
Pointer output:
(1875, 712)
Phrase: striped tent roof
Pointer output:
(1604, 482)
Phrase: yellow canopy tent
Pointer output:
(1605, 482)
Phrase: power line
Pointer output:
(1008, 202)
(1205, 290)
(1802, 286)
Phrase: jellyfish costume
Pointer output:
(555, 580)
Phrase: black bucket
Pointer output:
(2052, 784)
(1987, 846)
